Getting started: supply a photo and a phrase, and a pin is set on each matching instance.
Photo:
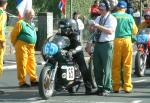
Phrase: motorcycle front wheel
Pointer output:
(140, 64)
(46, 84)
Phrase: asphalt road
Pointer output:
(9, 84)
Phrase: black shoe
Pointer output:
(71, 90)
(2, 92)
(34, 84)
(24, 85)
(88, 91)
(96, 92)
(115, 91)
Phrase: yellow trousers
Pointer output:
(2, 50)
(122, 61)
(26, 64)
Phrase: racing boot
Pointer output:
(88, 88)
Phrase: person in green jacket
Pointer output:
(122, 57)
(23, 38)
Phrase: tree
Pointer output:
(52, 6)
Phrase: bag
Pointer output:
(89, 48)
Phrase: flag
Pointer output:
(22, 6)
(62, 6)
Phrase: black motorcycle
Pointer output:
(60, 71)
(142, 54)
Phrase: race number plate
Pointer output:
(70, 73)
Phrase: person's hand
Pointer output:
(71, 52)
(91, 27)
(96, 25)
(91, 22)
(2, 44)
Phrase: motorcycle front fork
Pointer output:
(54, 71)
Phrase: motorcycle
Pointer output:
(142, 54)
(59, 72)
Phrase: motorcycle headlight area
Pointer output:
(142, 38)
(49, 49)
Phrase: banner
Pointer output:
(62, 6)
(22, 6)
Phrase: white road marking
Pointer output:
(12, 62)
(36, 100)
(39, 101)
(9, 67)
(107, 102)
(89, 102)
(13, 66)
(137, 101)
(138, 81)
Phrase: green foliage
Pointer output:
(79, 5)
(41, 5)
(12, 6)
(38, 5)
(47, 5)
(52, 5)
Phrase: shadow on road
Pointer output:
(15, 94)
(142, 85)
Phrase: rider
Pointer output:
(146, 22)
(68, 27)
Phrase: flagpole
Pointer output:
(70, 8)
(140, 11)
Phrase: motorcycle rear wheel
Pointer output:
(140, 64)
(46, 84)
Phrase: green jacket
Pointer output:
(28, 33)
(125, 25)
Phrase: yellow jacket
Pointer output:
(16, 31)
(25, 32)
(3, 18)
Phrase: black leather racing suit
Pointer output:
(79, 58)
